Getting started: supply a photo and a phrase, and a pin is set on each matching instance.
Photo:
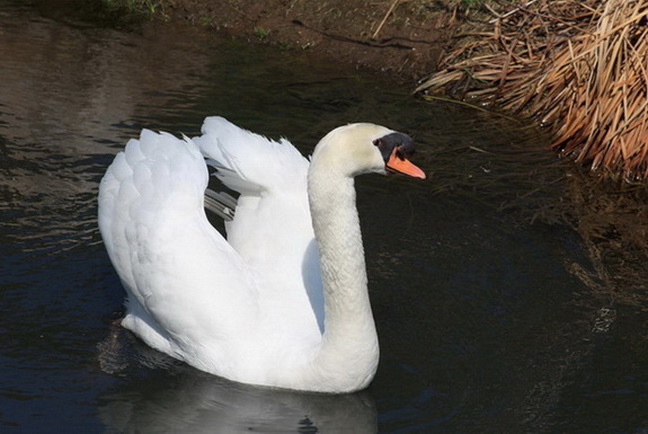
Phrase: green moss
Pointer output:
(262, 33)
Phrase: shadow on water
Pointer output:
(494, 314)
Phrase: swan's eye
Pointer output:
(406, 151)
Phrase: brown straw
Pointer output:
(580, 67)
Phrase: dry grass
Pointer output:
(580, 67)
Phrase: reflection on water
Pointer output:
(484, 321)
(180, 399)
(198, 404)
(68, 95)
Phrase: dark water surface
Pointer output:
(482, 326)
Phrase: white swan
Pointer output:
(269, 305)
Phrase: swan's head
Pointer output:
(366, 148)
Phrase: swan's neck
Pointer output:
(349, 343)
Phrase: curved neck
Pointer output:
(349, 343)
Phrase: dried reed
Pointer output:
(578, 66)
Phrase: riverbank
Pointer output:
(403, 39)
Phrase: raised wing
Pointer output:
(186, 285)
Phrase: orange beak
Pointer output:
(404, 166)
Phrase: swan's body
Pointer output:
(269, 305)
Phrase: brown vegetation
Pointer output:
(579, 66)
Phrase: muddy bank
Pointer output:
(404, 39)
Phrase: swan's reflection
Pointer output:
(176, 398)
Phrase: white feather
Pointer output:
(250, 308)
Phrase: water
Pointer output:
(484, 326)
